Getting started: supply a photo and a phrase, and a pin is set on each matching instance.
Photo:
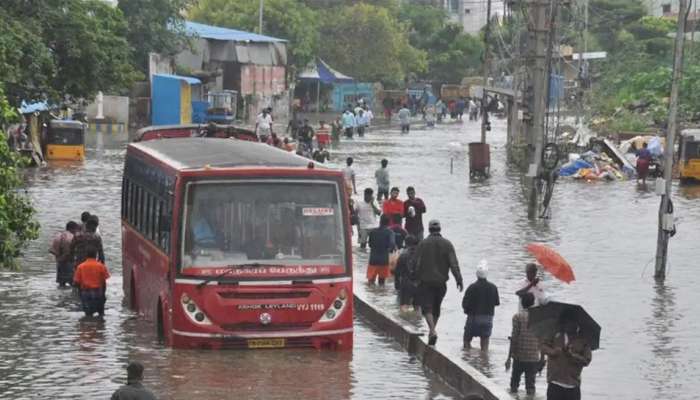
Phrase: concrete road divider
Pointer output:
(465, 379)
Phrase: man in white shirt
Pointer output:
(405, 119)
(370, 117)
(532, 284)
(367, 213)
(263, 125)
(362, 122)
(349, 175)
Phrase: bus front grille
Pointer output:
(265, 295)
(256, 326)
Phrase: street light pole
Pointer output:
(260, 16)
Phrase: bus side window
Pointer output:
(132, 204)
(139, 208)
(148, 215)
(166, 224)
(125, 196)
(155, 221)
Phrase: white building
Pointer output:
(471, 14)
(667, 8)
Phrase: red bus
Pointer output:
(235, 244)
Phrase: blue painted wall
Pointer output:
(344, 93)
(165, 101)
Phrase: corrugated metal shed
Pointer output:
(189, 79)
(320, 71)
(219, 33)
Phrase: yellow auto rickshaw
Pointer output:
(65, 140)
(689, 164)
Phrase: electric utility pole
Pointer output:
(665, 210)
(487, 62)
(583, 48)
(260, 16)
(536, 93)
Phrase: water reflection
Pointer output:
(663, 363)
(91, 332)
(265, 374)
(479, 359)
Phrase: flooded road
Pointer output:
(47, 351)
(650, 348)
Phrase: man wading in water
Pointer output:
(435, 256)
(133, 390)
(60, 248)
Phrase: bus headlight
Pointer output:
(336, 308)
(193, 312)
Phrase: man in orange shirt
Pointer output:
(393, 206)
(91, 280)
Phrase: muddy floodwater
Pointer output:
(47, 351)
(650, 347)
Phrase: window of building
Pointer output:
(454, 6)
(467, 11)
(666, 8)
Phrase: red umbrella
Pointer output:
(552, 262)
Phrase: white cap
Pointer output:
(482, 269)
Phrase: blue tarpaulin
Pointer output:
(219, 33)
(573, 167)
(320, 71)
(34, 107)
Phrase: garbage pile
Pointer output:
(591, 166)
(655, 145)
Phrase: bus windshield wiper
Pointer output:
(228, 270)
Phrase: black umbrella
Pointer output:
(544, 321)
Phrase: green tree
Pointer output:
(285, 19)
(423, 22)
(26, 64)
(609, 18)
(370, 44)
(62, 49)
(155, 26)
(452, 54)
(17, 224)
(391, 5)
(88, 41)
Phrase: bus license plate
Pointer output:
(265, 343)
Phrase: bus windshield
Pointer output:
(239, 223)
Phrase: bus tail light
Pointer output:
(336, 308)
(193, 311)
